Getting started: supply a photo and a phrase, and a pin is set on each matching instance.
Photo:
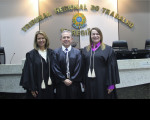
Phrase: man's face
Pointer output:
(66, 39)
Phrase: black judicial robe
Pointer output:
(106, 70)
(59, 69)
(31, 78)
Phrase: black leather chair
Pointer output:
(2, 56)
(120, 45)
(147, 44)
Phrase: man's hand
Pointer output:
(67, 82)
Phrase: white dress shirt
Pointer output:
(43, 54)
(69, 48)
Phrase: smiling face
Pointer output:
(66, 39)
(41, 41)
(95, 36)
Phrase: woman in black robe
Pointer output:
(100, 68)
(37, 76)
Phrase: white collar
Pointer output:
(43, 53)
(69, 48)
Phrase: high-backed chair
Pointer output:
(120, 45)
(74, 44)
(147, 44)
(2, 56)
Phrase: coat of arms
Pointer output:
(79, 21)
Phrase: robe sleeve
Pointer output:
(83, 67)
(51, 71)
(59, 77)
(111, 87)
(113, 73)
(77, 74)
(27, 77)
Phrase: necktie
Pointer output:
(67, 63)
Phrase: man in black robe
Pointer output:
(68, 75)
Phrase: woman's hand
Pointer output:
(34, 93)
(109, 90)
(83, 86)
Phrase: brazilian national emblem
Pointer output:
(79, 21)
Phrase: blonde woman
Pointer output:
(100, 68)
(37, 77)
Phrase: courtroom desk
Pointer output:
(134, 80)
(133, 72)
(10, 78)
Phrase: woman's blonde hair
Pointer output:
(101, 40)
(35, 45)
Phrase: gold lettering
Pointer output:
(85, 32)
(56, 10)
(82, 32)
(81, 7)
(85, 7)
(24, 29)
(127, 22)
(68, 7)
(75, 7)
(112, 14)
(73, 32)
(78, 32)
(131, 25)
(107, 11)
(97, 8)
(104, 9)
(32, 23)
(122, 19)
(88, 31)
(46, 15)
(61, 30)
(27, 26)
(40, 18)
(117, 16)
(61, 9)
(71, 7)
(65, 8)
(36, 20)
(92, 7)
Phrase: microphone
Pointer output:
(12, 58)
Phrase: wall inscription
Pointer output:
(78, 26)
